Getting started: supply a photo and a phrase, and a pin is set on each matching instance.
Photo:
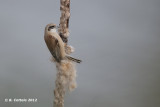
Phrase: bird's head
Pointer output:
(51, 27)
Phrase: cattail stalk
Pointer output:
(64, 20)
(66, 72)
(65, 80)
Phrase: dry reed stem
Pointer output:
(64, 19)
(65, 80)
(66, 72)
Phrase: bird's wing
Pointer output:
(56, 52)
(53, 46)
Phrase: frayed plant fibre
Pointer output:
(64, 19)
(65, 81)
(66, 72)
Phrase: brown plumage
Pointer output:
(56, 45)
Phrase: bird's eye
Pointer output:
(51, 27)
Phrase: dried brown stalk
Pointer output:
(66, 72)
(64, 20)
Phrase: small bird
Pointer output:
(56, 45)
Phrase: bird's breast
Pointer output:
(50, 42)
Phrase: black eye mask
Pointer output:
(51, 27)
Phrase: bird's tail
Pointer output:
(74, 59)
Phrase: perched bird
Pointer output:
(56, 45)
